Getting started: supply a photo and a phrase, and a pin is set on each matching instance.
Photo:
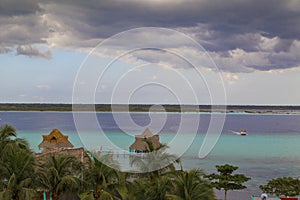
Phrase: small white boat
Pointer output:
(243, 132)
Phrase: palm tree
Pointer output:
(6, 134)
(155, 163)
(147, 189)
(9, 141)
(59, 174)
(102, 176)
(158, 189)
(16, 166)
(17, 174)
(190, 185)
(122, 188)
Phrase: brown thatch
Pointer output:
(55, 140)
(142, 141)
(146, 134)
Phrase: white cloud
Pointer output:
(43, 87)
(230, 78)
(268, 44)
(33, 52)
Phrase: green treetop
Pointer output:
(226, 180)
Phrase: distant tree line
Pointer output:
(142, 107)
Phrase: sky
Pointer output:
(152, 51)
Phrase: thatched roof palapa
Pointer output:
(142, 142)
(55, 140)
(146, 134)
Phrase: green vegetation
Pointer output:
(226, 180)
(97, 107)
(26, 177)
(147, 107)
(59, 175)
(16, 167)
(191, 185)
(285, 186)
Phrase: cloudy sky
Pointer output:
(249, 51)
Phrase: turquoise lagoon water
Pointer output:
(272, 148)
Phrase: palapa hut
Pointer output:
(58, 144)
(55, 141)
(145, 142)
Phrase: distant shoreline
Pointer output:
(251, 109)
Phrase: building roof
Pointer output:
(142, 141)
(140, 145)
(146, 134)
(55, 140)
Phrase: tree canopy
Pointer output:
(285, 186)
(226, 180)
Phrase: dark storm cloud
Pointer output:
(227, 18)
(17, 7)
(21, 24)
(22, 30)
(220, 26)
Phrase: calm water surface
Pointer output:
(272, 148)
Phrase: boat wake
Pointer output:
(239, 133)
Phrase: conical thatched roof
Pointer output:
(142, 142)
(55, 140)
(139, 145)
(146, 134)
